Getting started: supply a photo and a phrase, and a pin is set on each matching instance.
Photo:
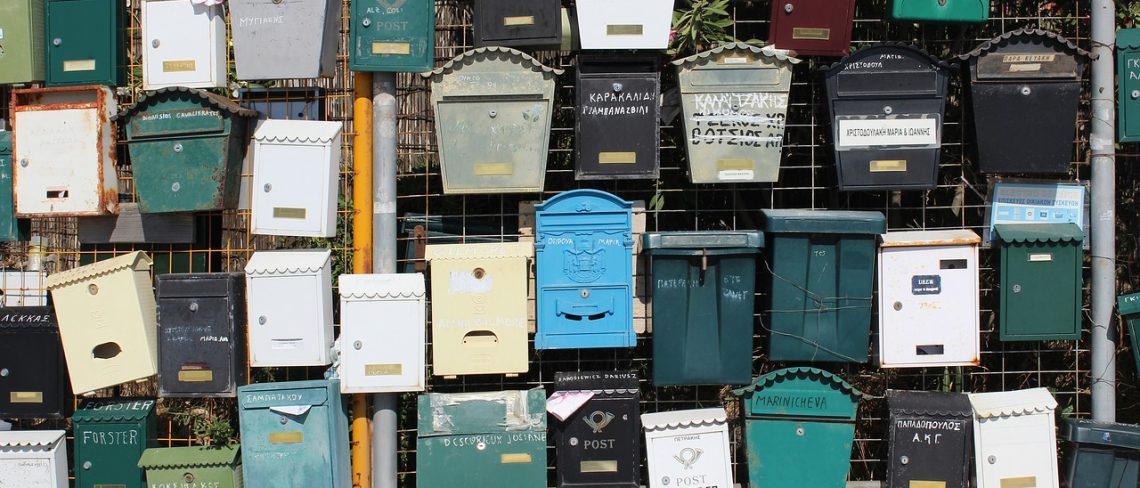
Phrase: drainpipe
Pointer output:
(1103, 218)
(384, 133)
(361, 255)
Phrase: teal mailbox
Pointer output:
(85, 42)
(1129, 308)
(110, 437)
(1101, 455)
(11, 228)
(799, 425)
(392, 35)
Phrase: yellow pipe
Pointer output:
(361, 256)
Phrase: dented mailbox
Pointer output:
(628, 24)
(11, 228)
(382, 333)
(86, 42)
(688, 448)
(1128, 85)
(616, 131)
(283, 40)
(184, 44)
(812, 27)
(110, 436)
(34, 383)
(22, 26)
(518, 23)
(290, 315)
(392, 35)
(1041, 281)
(598, 444)
(192, 467)
(33, 459)
(201, 330)
(1015, 439)
(295, 169)
(930, 439)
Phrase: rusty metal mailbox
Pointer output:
(599, 444)
(616, 131)
(282, 40)
(33, 374)
(812, 27)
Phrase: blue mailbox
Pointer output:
(584, 255)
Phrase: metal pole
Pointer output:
(1103, 219)
(361, 256)
(384, 418)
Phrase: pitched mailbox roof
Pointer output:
(189, 457)
(1012, 403)
(1039, 233)
(31, 438)
(492, 250)
(515, 55)
(929, 403)
(137, 261)
(204, 97)
(114, 410)
(1107, 434)
(300, 261)
(817, 374)
(992, 44)
(683, 418)
(766, 51)
(298, 131)
(372, 286)
(923, 238)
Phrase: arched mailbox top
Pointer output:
(1127, 39)
(770, 54)
(578, 202)
(887, 57)
(1035, 39)
(493, 58)
(180, 95)
(929, 403)
(801, 392)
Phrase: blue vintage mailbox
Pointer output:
(584, 255)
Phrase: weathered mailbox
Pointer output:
(584, 271)
(110, 436)
(86, 42)
(382, 333)
(616, 130)
(812, 27)
(1024, 88)
(295, 177)
(1128, 85)
(493, 107)
(687, 448)
(1040, 281)
(822, 268)
(928, 299)
(1101, 455)
(33, 459)
(201, 334)
(283, 40)
(599, 444)
(290, 307)
(184, 44)
(34, 380)
(479, 440)
(964, 11)
(192, 467)
(392, 35)
(704, 288)
(629, 24)
(1129, 308)
(11, 228)
(1015, 438)
(887, 103)
(930, 439)
(22, 59)
(518, 23)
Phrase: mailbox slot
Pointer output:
(22, 61)
(110, 436)
(930, 439)
(1015, 438)
(299, 42)
(184, 44)
(961, 11)
(201, 326)
(812, 27)
(382, 332)
(85, 42)
(35, 384)
(629, 24)
(392, 36)
(296, 165)
(687, 445)
(598, 445)
(616, 131)
(35, 459)
(1041, 281)
(290, 308)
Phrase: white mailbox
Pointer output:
(382, 333)
(1015, 440)
(295, 167)
(184, 44)
(928, 299)
(33, 459)
(625, 24)
(687, 448)
(22, 289)
(290, 307)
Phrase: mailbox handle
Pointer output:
(480, 337)
(579, 311)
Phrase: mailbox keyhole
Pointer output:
(479, 273)
(4, 372)
(106, 350)
(188, 477)
(194, 307)
(93, 289)
(1025, 90)
(898, 306)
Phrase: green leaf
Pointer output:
(657, 202)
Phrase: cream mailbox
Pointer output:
(184, 44)
(290, 308)
(107, 320)
(33, 459)
(279, 40)
(295, 164)
(687, 448)
(479, 307)
(625, 24)
(1015, 439)
(382, 333)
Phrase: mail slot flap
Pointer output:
(113, 410)
(39, 318)
(1118, 436)
(699, 243)
(823, 222)
(190, 457)
(617, 65)
(888, 84)
(442, 414)
(1128, 304)
(1039, 233)
(800, 392)
(252, 398)
(197, 285)
(735, 79)
(1030, 54)
(889, 70)
(180, 111)
(595, 380)
(929, 404)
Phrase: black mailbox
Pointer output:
(201, 329)
(33, 374)
(931, 442)
(599, 444)
(618, 112)
(518, 23)
(1024, 89)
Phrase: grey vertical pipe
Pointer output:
(384, 131)
(1103, 218)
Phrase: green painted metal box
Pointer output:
(11, 228)
(85, 42)
(821, 277)
(1128, 85)
(22, 38)
(192, 467)
(392, 35)
(186, 149)
(965, 11)
(477, 440)
(704, 288)
(1129, 308)
(1041, 281)
(110, 436)
(1100, 455)
(799, 426)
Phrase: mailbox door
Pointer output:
(196, 339)
(285, 199)
(812, 27)
(11, 228)
(181, 175)
(35, 383)
(183, 45)
(971, 11)
(382, 344)
(628, 24)
(270, 436)
(1016, 451)
(617, 124)
(285, 324)
(392, 35)
(519, 23)
(934, 451)
(1038, 301)
(107, 453)
(1128, 77)
(511, 161)
(798, 452)
(84, 42)
(22, 25)
(62, 149)
(585, 316)
(598, 445)
(276, 40)
(689, 457)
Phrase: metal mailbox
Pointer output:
(22, 289)
(493, 107)
(107, 320)
(382, 333)
(64, 151)
(1015, 439)
(35, 381)
(616, 130)
(1129, 308)
(928, 299)
(704, 289)
(812, 27)
(22, 23)
(110, 437)
(482, 440)
(628, 24)
(392, 35)
(518, 23)
(295, 176)
(284, 40)
(821, 277)
(584, 271)
(184, 44)
(479, 307)
(1041, 281)
(735, 99)
(1101, 455)
(86, 42)
(1024, 88)
(962, 11)
(201, 331)
(599, 444)
(33, 459)
(11, 228)
(290, 317)
(1128, 85)
(887, 104)
(687, 448)
(930, 439)
(192, 467)
(294, 434)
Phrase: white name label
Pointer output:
(888, 132)
(736, 175)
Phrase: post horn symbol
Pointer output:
(598, 420)
(392, 3)
(688, 456)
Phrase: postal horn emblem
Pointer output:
(598, 420)
(688, 456)
(392, 3)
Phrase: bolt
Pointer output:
(898, 306)
(800, 431)
(481, 446)
(584, 293)
(1017, 288)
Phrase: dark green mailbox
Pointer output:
(1129, 308)
(110, 437)
(704, 287)
(22, 39)
(1040, 281)
(186, 149)
(821, 275)
(799, 425)
(1128, 85)
(392, 35)
(85, 42)
(11, 228)
(193, 467)
(1101, 455)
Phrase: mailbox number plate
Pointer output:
(1027, 65)
(893, 132)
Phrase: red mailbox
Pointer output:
(812, 27)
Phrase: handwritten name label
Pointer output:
(484, 440)
(117, 438)
(777, 401)
(739, 119)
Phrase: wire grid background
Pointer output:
(807, 180)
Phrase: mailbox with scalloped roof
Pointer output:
(296, 165)
(382, 333)
(197, 466)
(290, 307)
(110, 435)
(687, 448)
(1015, 439)
(33, 459)
(1041, 281)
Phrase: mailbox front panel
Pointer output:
(85, 42)
(628, 24)
(1041, 295)
(513, 155)
(798, 453)
(1128, 85)
(294, 190)
(519, 23)
(201, 325)
(302, 423)
(68, 164)
(382, 344)
(109, 442)
(930, 450)
(689, 456)
(287, 326)
(812, 27)
(392, 35)
(617, 124)
(598, 445)
(11, 228)
(280, 40)
(35, 385)
(1016, 451)
(22, 24)
(965, 11)
(183, 45)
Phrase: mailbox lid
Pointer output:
(929, 238)
(965, 11)
(679, 420)
(114, 410)
(629, 24)
(1027, 54)
(190, 457)
(1120, 437)
(822, 222)
(698, 243)
(293, 262)
(298, 132)
(135, 261)
(279, 40)
(583, 210)
(373, 287)
(800, 392)
(179, 111)
(484, 250)
(888, 70)
(1033, 401)
(392, 36)
(447, 414)
(736, 66)
(929, 404)
(523, 23)
(1039, 233)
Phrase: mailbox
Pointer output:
(518, 23)
(584, 271)
(33, 459)
(735, 99)
(22, 289)
(107, 319)
(1101, 454)
(1015, 438)
(928, 299)
(86, 42)
(201, 331)
(64, 151)
(599, 444)
(22, 23)
(11, 228)
(821, 276)
(1041, 281)
(186, 148)
(382, 333)
(290, 307)
(35, 384)
(1024, 88)
(963, 11)
(479, 440)
(186, 467)
(184, 44)
(493, 108)
(392, 35)
(479, 307)
(687, 448)
(616, 130)
(704, 288)
(1128, 85)
(294, 434)
(887, 103)
(812, 27)
(295, 176)
(930, 439)
(284, 40)
(1129, 308)
(628, 24)
(110, 437)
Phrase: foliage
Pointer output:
(209, 422)
(701, 25)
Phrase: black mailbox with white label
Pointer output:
(618, 111)
(201, 329)
(931, 442)
(33, 374)
(599, 443)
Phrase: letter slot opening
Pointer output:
(57, 193)
(106, 350)
(480, 337)
(952, 264)
(930, 350)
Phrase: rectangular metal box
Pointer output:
(296, 165)
(290, 103)
(687, 448)
(110, 437)
(22, 29)
(1128, 85)
(518, 23)
(625, 24)
(931, 441)
(616, 132)
(192, 467)
(183, 44)
(201, 334)
(1041, 292)
(1015, 439)
(23, 289)
(1129, 308)
(382, 333)
(812, 27)
(392, 35)
(1101, 455)
(35, 385)
(599, 446)
(284, 40)
(86, 42)
(290, 315)
(963, 11)
(33, 459)
(11, 228)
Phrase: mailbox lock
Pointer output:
(154, 43)
(4, 372)
(481, 446)
(584, 293)
(261, 320)
(178, 147)
(194, 307)
(573, 441)
(788, 8)
(478, 273)
(1106, 437)
(357, 345)
(992, 459)
(87, 465)
(277, 1)
(24, 162)
(267, 187)
(1025, 90)
(800, 430)
(898, 306)
(904, 460)
(1135, 94)
(93, 289)
(175, 187)
(283, 420)
(618, 87)
(56, 42)
(492, 114)
(887, 110)
(366, 22)
(188, 477)
(1017, 288)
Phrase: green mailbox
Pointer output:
(85, 43)
(192, 467)
(392, 35)
(186, 150)
(963, 11)
(110, 437)
(821, 276)
(1129, 308)
(704, 287)
(1040, 281)
(11, 228)
(1128, 85)
(799, 426)
(1100, 455)
(22, 41)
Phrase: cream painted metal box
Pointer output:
(290, 307)
(928, 299)
(295, 164)
(479, 307)
(687, 448)
(1015, 439)
(107, 321)
(382, 333)
(33, 459)
(184, 44)
(624, 24)
(22, 289)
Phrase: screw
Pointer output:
(1017, 288)
(788, 8)
(357, 345)
(481, 446)
(366, 22)
(175, 187)
(267, 187)
(573, 441)
(93, 289)
(800, 431)
(1135, 94)
(283, 420)
(87, 465)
